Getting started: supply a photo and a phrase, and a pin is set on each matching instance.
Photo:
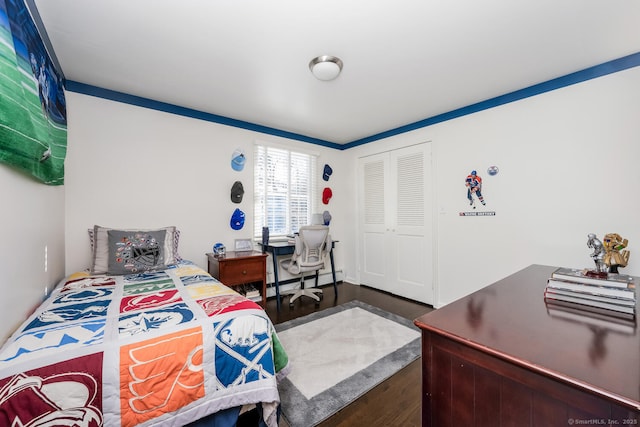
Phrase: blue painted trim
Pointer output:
(596, 71)
(98, 92)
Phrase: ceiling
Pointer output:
(404, 60)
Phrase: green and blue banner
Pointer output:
(33, 113)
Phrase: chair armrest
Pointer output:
(298, 249)
(328, 244)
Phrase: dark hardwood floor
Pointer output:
(394, 402)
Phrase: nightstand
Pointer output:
(239, 268)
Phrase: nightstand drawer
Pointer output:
(239, 268)
(249, 270)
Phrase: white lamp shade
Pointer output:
(326, 70)
(325, 67)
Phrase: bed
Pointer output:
(159, 343)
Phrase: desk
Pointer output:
(277, 249)
(500, 356)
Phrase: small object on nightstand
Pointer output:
(265, 238)
(219, 249)
(243, 245)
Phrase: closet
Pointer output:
(396, 222)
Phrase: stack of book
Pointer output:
(608, 293)
(249, 291)
(621, 324)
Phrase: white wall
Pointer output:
(32, 217)
(568, 162)
(132, 167)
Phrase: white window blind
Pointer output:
(284, 190)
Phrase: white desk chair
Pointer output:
(313, 244)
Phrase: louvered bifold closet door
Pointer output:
(374, 236)
(396, 222)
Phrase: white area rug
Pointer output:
(337, 355)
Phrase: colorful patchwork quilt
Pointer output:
(157, 348)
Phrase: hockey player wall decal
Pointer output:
(473, 182)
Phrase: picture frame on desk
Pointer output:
(243, 245)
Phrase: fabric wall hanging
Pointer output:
(33, 112)
(238, 160)
(237, 219)
(327, 194)
(237, 192)
(326, 172)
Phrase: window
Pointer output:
(284, 190)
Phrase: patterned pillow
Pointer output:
(136, 251)
(176, 241)
(100, 246)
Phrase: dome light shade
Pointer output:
(325, 67)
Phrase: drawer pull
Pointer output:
(244, 272)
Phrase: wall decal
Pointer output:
(478, 213)
(473, 184)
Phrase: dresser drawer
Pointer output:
(242, 272)
(238, 268)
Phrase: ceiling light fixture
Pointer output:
(325, 67)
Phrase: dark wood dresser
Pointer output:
(239, 268)
(502, 357)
